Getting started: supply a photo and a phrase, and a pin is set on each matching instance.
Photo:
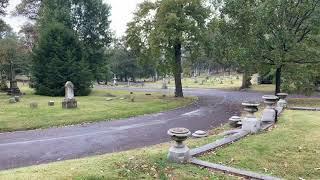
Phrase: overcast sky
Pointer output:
(122, 11)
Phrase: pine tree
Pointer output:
(58, 58)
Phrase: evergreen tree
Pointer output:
(58, 58)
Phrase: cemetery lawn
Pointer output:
(290, 151)
(305, 102)
(92, 108)
(146, 163)
(213, 82)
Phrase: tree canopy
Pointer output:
(279, 34)
(162, 29)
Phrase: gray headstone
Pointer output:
(69, 101)
(51, 103)
(17, 98)
(12, 100)
(34, 105)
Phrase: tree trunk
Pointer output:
(178, 70)
(278, 80)
(246, 80)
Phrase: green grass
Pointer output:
(305, 102)
(146, 163)
(265, 88)
(214, 82)
(92, 108)
(291, 150)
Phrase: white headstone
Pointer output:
(69, 90)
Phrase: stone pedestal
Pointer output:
(250, 123)
(69, 104)
(282, 102)
(179, 153)
(270, 113)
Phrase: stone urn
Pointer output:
(269, 113)
(250, 123)
(282, 102)
(179, 153)
(235, 121)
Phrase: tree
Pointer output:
(29, 35)
(166, 27)
(282, 34)
(29, 9)
(3, 5)
(90, 19)
(122, 62)
(14, 59)
(3, 26)
(58, 58)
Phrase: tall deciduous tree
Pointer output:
(284, 32)
(91, 20)
(166, 27)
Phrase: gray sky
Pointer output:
(121, 14)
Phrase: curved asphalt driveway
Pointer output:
(26, 148)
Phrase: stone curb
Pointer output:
(231, 170)
(304, 109)
(219, 143)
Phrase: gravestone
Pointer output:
(14, 89)
(115, 83)
(34, 105)
(51, 103)
(164, 84)
(17, 98)
(69, 101)
(255, 79)
(12, 100)
(132, 97)
(3, 85)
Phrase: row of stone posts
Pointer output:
(180, 153)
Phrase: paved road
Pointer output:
(19, 149)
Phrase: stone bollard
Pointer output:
(34, 105)
(270, 113)
(282, 102)
(179, 153)
(250, 123)
(235, 121)
(51, 103)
